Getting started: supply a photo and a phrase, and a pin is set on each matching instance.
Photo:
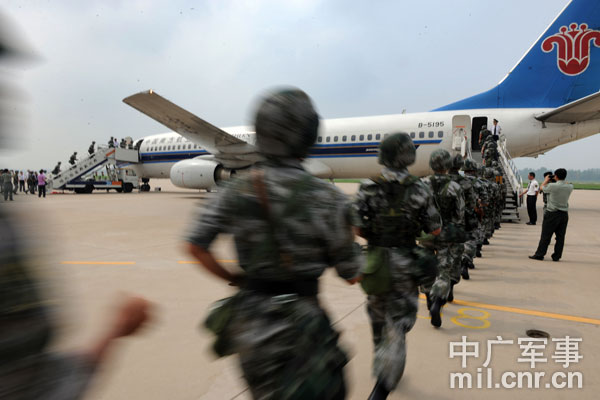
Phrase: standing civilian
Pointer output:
(41, 184)
(557, 215)
(21, 181)
(532, 192)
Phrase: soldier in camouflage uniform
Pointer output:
(489, 151)
(288, 227)
(471, 219)
(475, 238)
(491, 209)
(390, 213)
(483, 135)
(502, 193)
(450, 244)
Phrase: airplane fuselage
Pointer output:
(347, 147)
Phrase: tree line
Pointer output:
(573, 175)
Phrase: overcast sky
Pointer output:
(355, 58)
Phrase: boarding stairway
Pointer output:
(510, 176)
(102, 156)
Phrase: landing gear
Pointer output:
(145, 186)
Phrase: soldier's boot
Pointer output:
(434, 312)
(486, 241)
(465, 271)
(451, 294)
(380, 392)
(478, 252)
(428, 301)
(497, 225)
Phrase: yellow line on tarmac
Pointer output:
(99, 262)
(522, 311)
(198, 262)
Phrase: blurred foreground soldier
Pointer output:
(73, 159)
(288, 227)
(91, 148)
(28, 369)
(56, 169)
(471, 223)
(449, 245)
(390, 213)
(557, 214)
(7, 186)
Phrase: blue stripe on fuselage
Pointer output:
(368, 149)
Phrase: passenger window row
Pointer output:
(352, 138)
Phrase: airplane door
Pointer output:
(461, 125)
(478, 122)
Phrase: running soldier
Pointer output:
(390, 213)
(471, 221)
(288, 227)
(450, 244)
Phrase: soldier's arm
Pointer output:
(430, 216)
(213, 220)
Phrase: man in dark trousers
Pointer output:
(496, 130)
(532, 192)
(556, 217)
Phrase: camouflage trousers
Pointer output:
(449, 267)
(470, 246)
(287, 348)
(392, 315)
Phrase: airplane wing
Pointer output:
(227, 149)
(580, 110)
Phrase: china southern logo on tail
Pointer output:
(573, 48)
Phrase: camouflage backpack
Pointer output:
(391, 227)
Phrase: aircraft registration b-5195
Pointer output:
(549, 98)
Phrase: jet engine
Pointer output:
(198, 174)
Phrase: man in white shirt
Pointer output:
(532, 192)
(496, 130)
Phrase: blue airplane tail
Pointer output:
(562, 66)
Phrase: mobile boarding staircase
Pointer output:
(510, 176)
(103, 155)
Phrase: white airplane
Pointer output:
(548, 99)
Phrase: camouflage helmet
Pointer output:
(440, 160)
(457, 162)
(469, 165)
(488, 173)
(483, 127)
(286, 124)
(397, 151)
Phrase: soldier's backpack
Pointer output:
(450, 232)
(388, 225)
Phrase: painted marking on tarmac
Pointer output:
(99, 262)
(522, 311)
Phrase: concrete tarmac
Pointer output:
(93, 247)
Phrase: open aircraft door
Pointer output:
(461, 127)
